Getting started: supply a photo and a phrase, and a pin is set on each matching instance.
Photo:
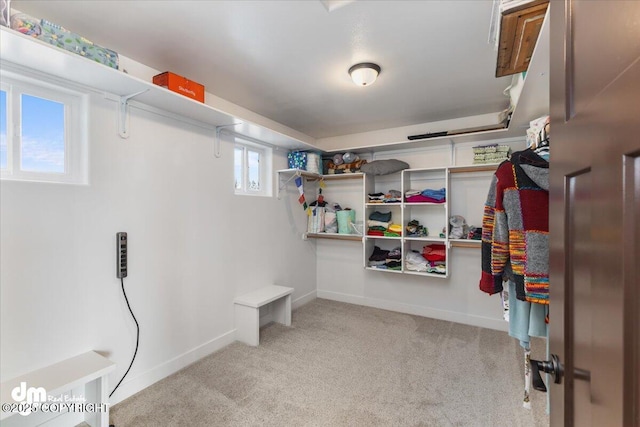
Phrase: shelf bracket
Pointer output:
(123, 114)
(219, 129)
(281, 184)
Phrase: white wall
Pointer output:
(341, 275)
(193, 246)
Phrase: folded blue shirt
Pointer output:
(435, 194)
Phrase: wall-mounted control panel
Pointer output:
(121, 256)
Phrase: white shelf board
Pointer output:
(425, 204)
(424, 273)
(340, 176)
(384, 270)
(382, 238)
(299, 172)
(335, 236)
(43, 59)
(426, 239)
(383, 204)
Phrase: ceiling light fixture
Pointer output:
(364, 74)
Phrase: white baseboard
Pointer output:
(305, 299)
(153, 375)
(434, 313)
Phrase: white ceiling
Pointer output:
(288, 60)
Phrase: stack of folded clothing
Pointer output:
(426, 196)
(416, 262)
(379, 224)
(386, 260)
(414, 229)
(436, 256)
(392, 196)
(492, 153)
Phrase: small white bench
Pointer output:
(83, 376)
(247, 311)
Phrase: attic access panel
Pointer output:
(519, 32)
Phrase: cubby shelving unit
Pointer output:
(466, 189)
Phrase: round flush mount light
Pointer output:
(364, 74)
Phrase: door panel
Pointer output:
(594, 249)
(578, 217)
(614, 39)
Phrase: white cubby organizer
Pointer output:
(466, 192)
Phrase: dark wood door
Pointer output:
(595, 211)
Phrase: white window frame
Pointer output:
(75, 130)
(266, 166)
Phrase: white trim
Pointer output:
(76, 145)
(305, 299)
(434, 313)
(155, 374)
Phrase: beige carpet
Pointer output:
(345, 365)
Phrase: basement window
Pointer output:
(251, 169)
(42, 133)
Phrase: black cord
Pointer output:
(137, 337)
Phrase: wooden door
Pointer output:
(595, 211)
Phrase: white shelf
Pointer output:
(383, 204)
(424, 273)
(341, 176)
(465, 243)
(485, 167)
(426, 239)
(21, 53)
(425, 204)
(384, 270)
(335, 236)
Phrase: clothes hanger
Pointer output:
(542, 147)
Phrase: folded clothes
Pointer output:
(395, 194)
(378, 254)
(394, 265)
(375, 196)
(391, 234)
(434, 252)
(396, 228)
(414, 229)
(373, 223)
(435, 194)
(410, 193)
(395, 253)
(379, 216)
(423, 199)
(371, 232)
(415, 262)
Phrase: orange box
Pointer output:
(181, 85)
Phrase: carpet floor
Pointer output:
(347, 365)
